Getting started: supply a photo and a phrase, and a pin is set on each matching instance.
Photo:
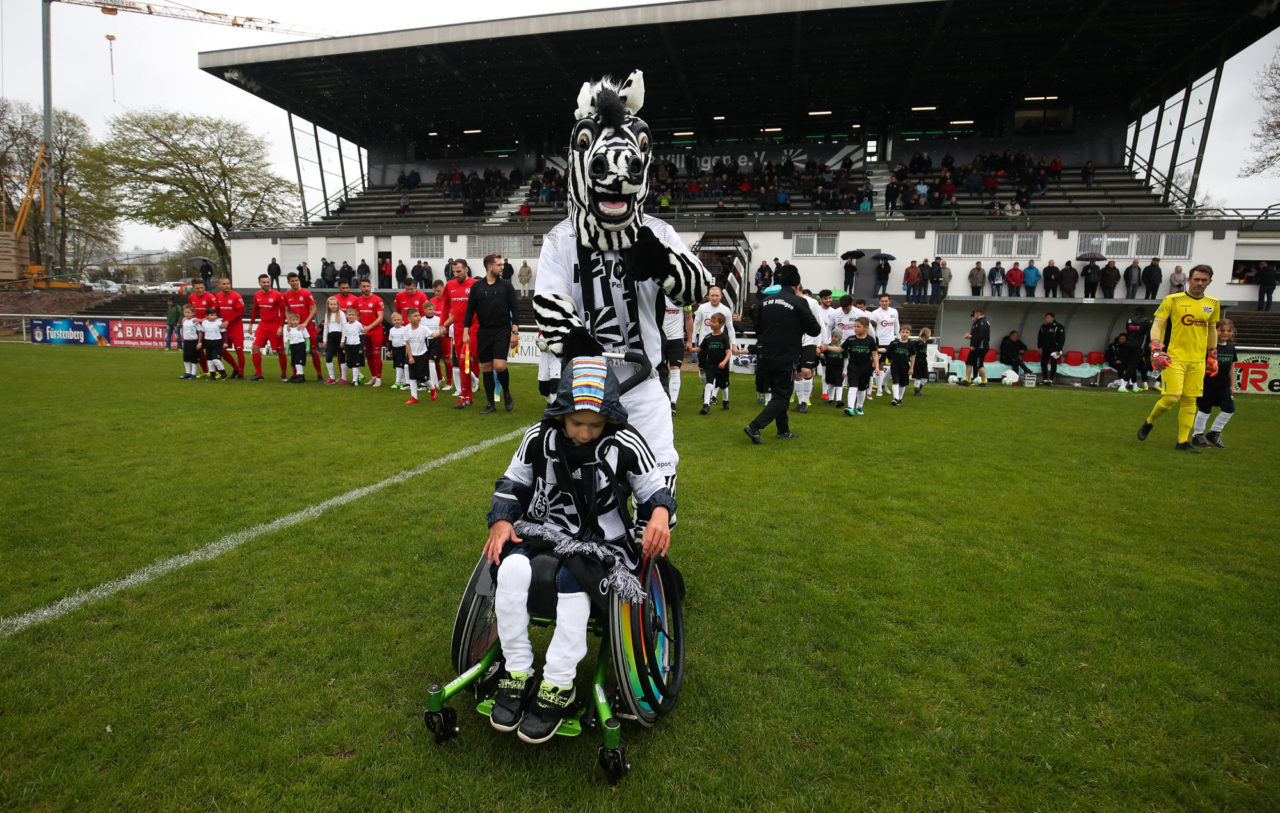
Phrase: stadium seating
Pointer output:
(948, 351)
(1073, 358)
(1031, 356)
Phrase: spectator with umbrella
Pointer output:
(850, 267)
(882, 272)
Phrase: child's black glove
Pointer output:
(578, 342)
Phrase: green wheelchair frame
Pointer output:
(639, 664)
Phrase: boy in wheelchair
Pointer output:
(566, 490)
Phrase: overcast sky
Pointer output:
(156, 66)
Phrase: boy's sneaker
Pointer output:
(397, 386)
(550, 707)
(1199, 440)
(511, 700)
(1215, 440)
(896, 402)
(284, 379)
(256, 377)
(377, 382)
(725, 405)
(342, 382)
(298, 379)
(446, 386)
(331, 381)
(706, 409)
(802, 407)
(858, 412)
(713, 400)
(850, 412)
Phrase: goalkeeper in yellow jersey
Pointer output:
(1192, 322)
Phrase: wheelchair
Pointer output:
(639, 664)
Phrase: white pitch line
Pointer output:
(17, 623)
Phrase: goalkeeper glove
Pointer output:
(1159, 358)
(1211, 362)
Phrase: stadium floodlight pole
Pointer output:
(1204, 130)
(324, 192)
(302, 193)
(1177, 142)
(47, 191)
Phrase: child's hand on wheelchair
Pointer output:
(499, 533)
(657, 534)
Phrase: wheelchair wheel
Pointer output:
(648, 643)
(476, 627)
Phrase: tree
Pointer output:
(85, 205)
(1266, 139)
(174, 169)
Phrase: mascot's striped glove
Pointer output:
(1211, 362)
(1160, 359)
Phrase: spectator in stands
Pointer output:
(424, 276)
(1011, 350)
(304, 274)
(1178, 281)
(328, 273)
(384, 273)
(1090, 275)
(1265, 276)
(996, 278)
(1132, 279)
(524, 277)
(1023, 197)
(1152, 276)
(1051, 339)
(882, 277)
(206, 274)
(404, 204)
(911, 282)
(414, 180)
(273, 271)
(1055, 169)
(1040, 185)
(402, 182)
(850, 271)
(991, 185)
(524, 212)
(1087, 173)
(347, 274)
(1052, 279)
(1068, 278)
(892, 194)
(1109, 277)
(977, 279)
(1015, 278)
(1030, 278)
(935, 280)
(402, 274)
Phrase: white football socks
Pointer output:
(511, 605)
(568, 641)
(1220, 422)
(673, 386)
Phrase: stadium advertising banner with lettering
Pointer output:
(70, 331)
(137, 333)
(1257, 372)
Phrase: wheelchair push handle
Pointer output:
(641, 374)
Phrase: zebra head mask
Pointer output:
(609, 163)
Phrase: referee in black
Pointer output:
(492, 302)
(784, 318)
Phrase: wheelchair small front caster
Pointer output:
(443, 723)
(614, 763)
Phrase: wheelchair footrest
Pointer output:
(571, 727)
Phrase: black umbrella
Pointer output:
(852, 255)
(883, 256)
(198, 260)
(1091, 255)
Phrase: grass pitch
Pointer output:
(985, 599)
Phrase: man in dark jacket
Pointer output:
(784, 318)
(1152, 276)
(1052, 276)
(273, 271)
(1110, 278)
(1090, 275)
(1132, 279)
(1051, 339)
(1266, 279)
(402, 274)
(979, 337)
(935, 281)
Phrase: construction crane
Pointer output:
(177, 11)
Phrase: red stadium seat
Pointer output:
(964, 353)
(948, 351)
(1031, 356)
(1097, 357)
(991, 356)
(1074, 358)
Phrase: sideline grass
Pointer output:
(984, 599)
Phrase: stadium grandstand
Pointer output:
(797, 131)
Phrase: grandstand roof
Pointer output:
(757, 63)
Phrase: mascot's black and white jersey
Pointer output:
(602, 272)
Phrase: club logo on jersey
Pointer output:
(1191, 321)
(538, 508)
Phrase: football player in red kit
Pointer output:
(371, 308)
(268, 312)
(300, 301)
(456, 293)
(230, 307)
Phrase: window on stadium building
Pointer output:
(1122, 246)
(814, 244)
(977, 244)
(426, 245)
(513, 247)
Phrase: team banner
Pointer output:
(137, 333)
(70, 331)
(1257, 372)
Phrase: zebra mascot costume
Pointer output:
(603, 271)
